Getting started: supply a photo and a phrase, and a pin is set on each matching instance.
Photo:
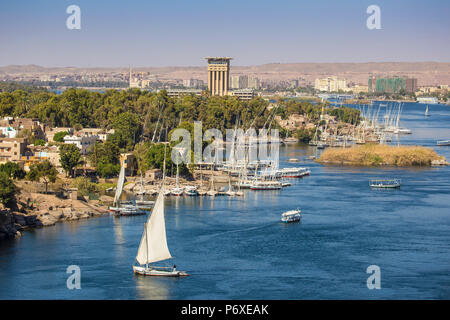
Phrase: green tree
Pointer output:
(43, 170)
(127, 129)
(8, 189)
(69, 157)
(59, 136)
(13, 170)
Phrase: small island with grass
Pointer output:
(378, 155)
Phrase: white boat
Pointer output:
(402, 131)
(153, 246)
(266, 185)
(293, 160)
(428, 100)
(177, 191)
(123, 208)
(443, 143)
(211, 193)
(427, 114)
(291, 216)
(190, 191)
(293, 172)
(385, 183)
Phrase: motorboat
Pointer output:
(291, 216)
(385, 183)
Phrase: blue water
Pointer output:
(236, 248)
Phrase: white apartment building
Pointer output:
(330, 84)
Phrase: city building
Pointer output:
(243, 94)
(239, 82)
(330, 84)
(253, 83)
(183, 92)
(192, 83)
(218, 75)
(392, 84)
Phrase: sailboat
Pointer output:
(153, 246)
(177, 191)
(212, 192)
(427, 114)
(123, 209)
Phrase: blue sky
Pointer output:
(180, 32)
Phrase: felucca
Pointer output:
(153, 247)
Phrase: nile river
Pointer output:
(237, 248)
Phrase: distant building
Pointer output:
(392, 85)
(183, 92)
(330, 84)
(253, 83)
(192, 83)
(218, 75)
(239, 82)
(243, 94)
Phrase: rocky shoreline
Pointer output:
(34, 210)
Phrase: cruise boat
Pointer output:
(402, 131)
(385, 183)
(291, 216)
(428, 100)
(293, 172)
(266, 185)
(443, 143)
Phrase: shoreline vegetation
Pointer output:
(379, 155)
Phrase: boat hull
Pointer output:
(158, 273)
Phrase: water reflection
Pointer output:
(153, 288)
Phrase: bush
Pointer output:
(108, 170)
(84, 186)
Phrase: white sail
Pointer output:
(153, 246)
(120, 183)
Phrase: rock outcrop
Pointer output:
(34, 210)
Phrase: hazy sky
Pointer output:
(182, 32)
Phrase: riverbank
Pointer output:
(377, 155)
(37, 210)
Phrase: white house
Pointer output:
(83, 143)
(8, 132)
